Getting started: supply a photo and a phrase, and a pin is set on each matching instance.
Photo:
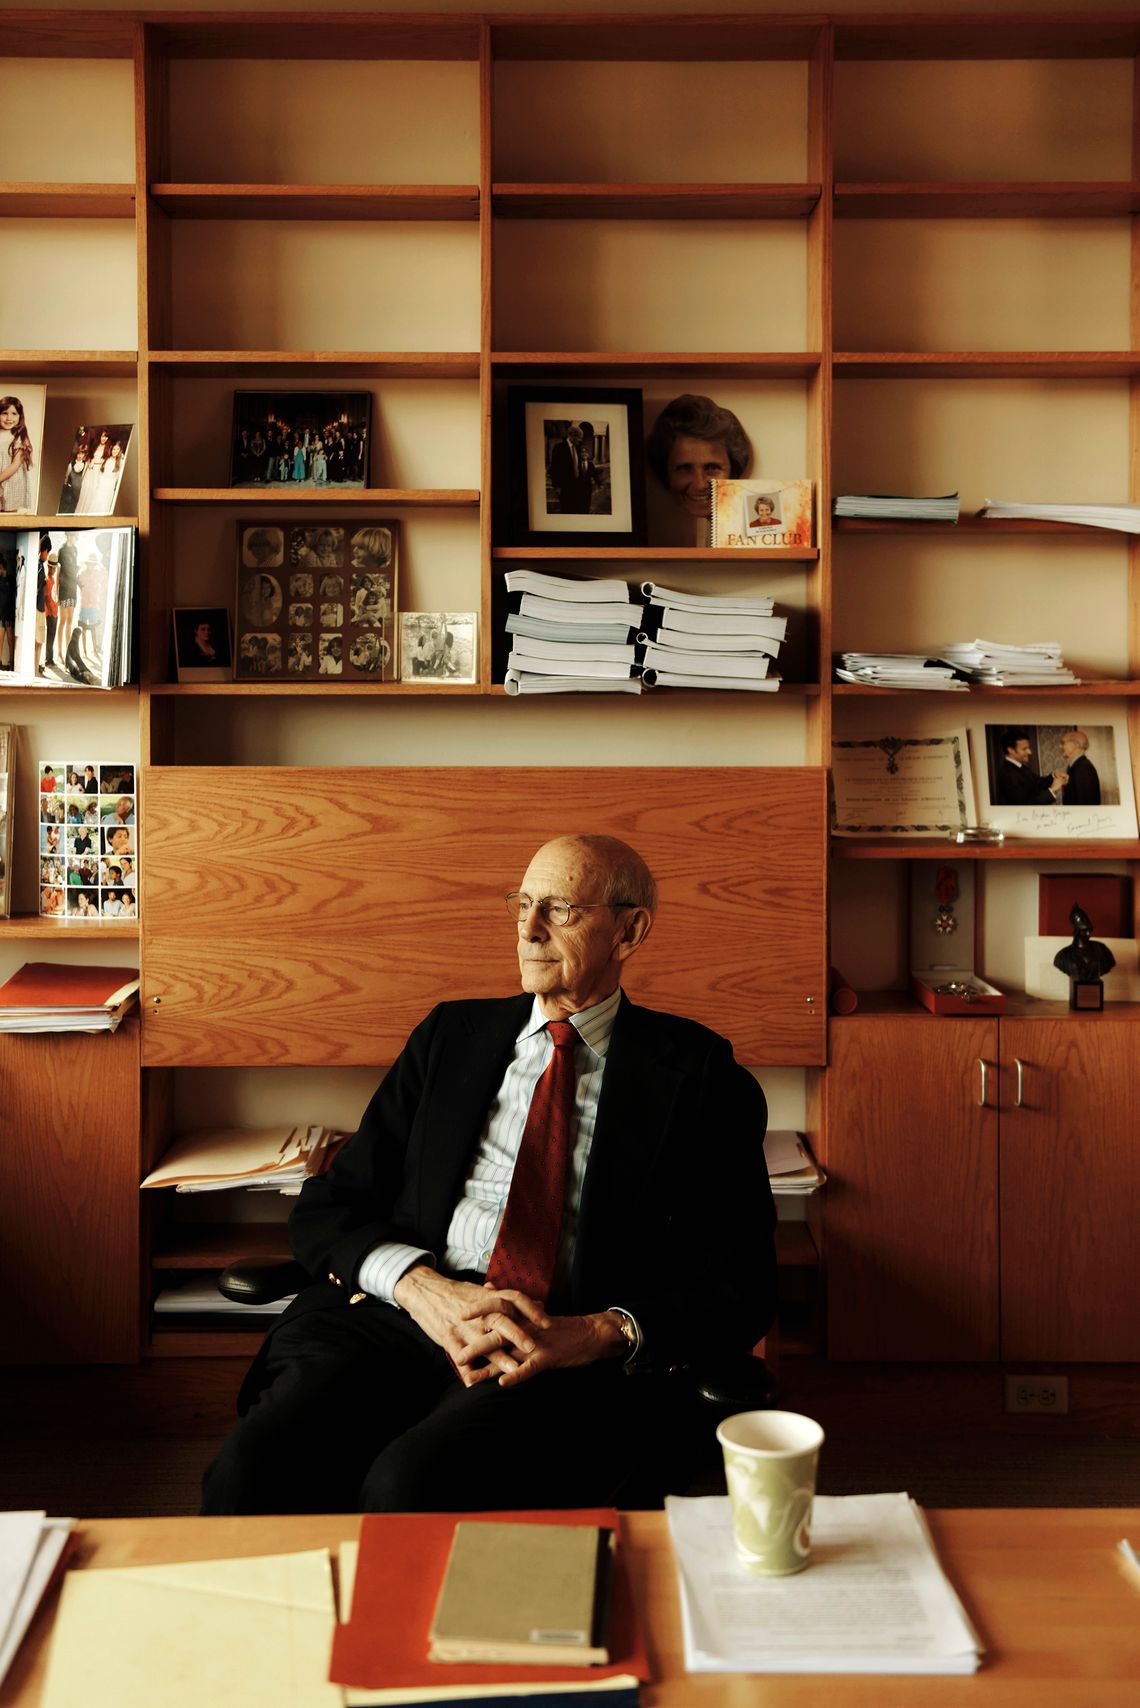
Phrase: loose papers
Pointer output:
(31, 1546)
(873, 1597)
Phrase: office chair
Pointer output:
(684, 1456)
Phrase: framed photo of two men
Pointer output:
(316, 601)
(576, 466)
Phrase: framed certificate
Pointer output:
(902, 786)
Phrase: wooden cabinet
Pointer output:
(958, 1228)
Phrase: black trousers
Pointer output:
(355, 1409)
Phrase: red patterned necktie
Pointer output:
(527, 1247)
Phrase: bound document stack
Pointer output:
(270, 1159)
(999, 665)
(792, 1170)
(897, 670)
(872, 1598)
(1125, 518)
(890, 507)
(47, 996)
(570, 636)
(709, 640)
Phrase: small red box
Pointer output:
(990, 1001)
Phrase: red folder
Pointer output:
(398, 1573)
(51, 984)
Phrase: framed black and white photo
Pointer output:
(94, 470)
(576, 466)
(1063, 780)
(438, 646)
(203, 651)
(293, 440)
(316, 600)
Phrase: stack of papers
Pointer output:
(709, 640)
(570, 636)
(997, 664)
(270, 1159)
(873, 1597)
(897, 508)
(48, 996)
(1124, 517)
(792, 1170)
(31, 1548)
(897, 670)
(199, 1297)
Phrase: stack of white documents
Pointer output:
(272, 1159)
(570, 636)
(872, 1598)
(709, 640)
(998, 664)
(897, 670)
(890, 507)
(1123, 517)
(792, 1170)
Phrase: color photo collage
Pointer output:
(88, 840)
(317, 601)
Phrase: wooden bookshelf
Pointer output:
(317, 201)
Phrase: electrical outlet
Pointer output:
(1037, 1394)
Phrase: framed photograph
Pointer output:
(1056, 780)
(902, 786)
(203, 650)
(21, 441)
(438, 646)
(299, 439)
(88, 839)
(95, 469)
(316, 600)
(576, 466)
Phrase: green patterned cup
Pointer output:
(770, 1460)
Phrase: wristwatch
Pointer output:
(629, 1331)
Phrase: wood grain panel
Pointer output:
(911, 1212)
(69, 1244)
(1070, 1191)
(314, 915)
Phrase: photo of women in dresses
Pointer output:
(301, 439)
(21, 436)
(330, 608)
(95, 469)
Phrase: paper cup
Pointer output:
(770, 1460)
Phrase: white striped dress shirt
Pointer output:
(475, 1222)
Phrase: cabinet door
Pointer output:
(1070, 1189)
(911, 1211)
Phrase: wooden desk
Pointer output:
(1058, 1616)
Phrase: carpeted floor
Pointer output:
(123, 1479)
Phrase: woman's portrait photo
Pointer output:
(203, 651)
(261, 600)
(262, 547)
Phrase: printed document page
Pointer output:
(873, 1597)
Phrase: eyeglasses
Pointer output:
(553, 909)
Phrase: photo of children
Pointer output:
(21, 438)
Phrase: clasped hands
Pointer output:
(498, 1334)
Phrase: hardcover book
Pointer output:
(760, 515)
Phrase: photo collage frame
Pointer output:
(88, 839)
(316, 601)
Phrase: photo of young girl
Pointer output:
(95, 469)
(21, 436)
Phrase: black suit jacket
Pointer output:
(676, 1218)
(1083, 786)
(1018, 786)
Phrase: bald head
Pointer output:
(612, 899)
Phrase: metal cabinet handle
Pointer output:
(1020, 1066)
(982, 1102)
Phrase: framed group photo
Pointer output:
(316, 601)
(1055, 780)
(438, 646)
(94, 470)
(576, 466)
(295, 440)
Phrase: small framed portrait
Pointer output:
(438, 646)
(1063, 781)
(95, 469)
(317, 600)
(293, 440)
(203, 650)
(21, 440)
(576, 466)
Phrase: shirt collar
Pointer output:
(594, 1025)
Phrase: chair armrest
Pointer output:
(248, 1282)
(738, 1383)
